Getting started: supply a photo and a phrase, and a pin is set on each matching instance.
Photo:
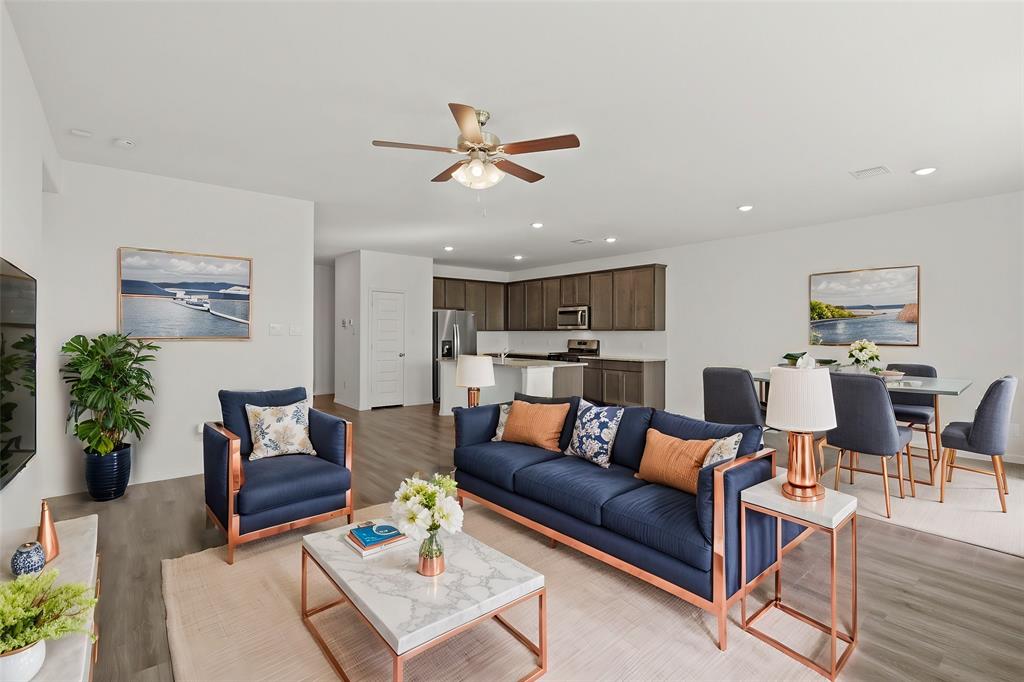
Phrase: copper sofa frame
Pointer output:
(720, 604)
(236, 479)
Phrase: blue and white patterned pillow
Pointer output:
(280, 430)
(594, 433)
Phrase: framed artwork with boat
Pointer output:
(182, 295)
(882, 305)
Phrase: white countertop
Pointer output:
(409, 609)
(521, 362)
(602, 356)
(829, 511)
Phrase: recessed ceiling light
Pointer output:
(745, 207)
(518, 257)
(124, 142)
(925, 171)
(80, 132)
(536, 226)
(449, 248)
(610, 240)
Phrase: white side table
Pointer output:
(829, 515)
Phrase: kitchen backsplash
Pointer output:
(645, 344)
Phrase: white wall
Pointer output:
(743, 301)
(347, 323)
(459, 272)
(323, 329)
(28, 165)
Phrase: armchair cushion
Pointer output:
(279, 481)
(232, 406)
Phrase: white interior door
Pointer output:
(387, 348)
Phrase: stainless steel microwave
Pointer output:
(574, 317)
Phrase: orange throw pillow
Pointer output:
(535, 424)
(673, 461)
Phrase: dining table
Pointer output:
(933, 386)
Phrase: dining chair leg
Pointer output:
(997, 465)
(885, 487)
(839, 467)
(933, 457)
(899, 472)
(910, 470)
(949, 467)
(943, 462)
(854, 462)
(1002, 467)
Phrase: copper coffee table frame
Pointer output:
(540, 650)
(830, 629)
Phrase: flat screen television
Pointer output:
(17, 370)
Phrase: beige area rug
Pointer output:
(970, 512)
(242, 622)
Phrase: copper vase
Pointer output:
(47, 536)
(431, 556)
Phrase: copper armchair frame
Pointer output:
(236, 479)
(720, 603)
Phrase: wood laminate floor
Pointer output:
(939, 609)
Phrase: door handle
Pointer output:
(401, 355)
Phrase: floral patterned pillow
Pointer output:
(594, 433)
(280, 430)
(503, 410)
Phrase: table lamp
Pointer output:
(800, 402)
(472, 372)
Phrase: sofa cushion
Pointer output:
(570, 418)
(631, 437)
(279, 481)
(696, 429)
(673, 462)
(663, 518)
(498, 462)
(232, 407)
(575, 486)
(535, 424)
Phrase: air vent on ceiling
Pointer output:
(865, 173)
(582, 241)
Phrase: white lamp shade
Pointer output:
(474, 371)
(800, 400)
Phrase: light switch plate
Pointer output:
(295, 330)
(276, 329)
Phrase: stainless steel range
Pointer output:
(578, 350)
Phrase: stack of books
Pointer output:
(373, 538)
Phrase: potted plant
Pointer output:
(108, 379)
(33, 610)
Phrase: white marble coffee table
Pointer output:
(411, 613)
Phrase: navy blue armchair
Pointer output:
(250, 500)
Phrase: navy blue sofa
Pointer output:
(250, 500)
(685, 544)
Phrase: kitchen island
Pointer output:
(546, 378)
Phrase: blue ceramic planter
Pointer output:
(28, 558)
(106, 476)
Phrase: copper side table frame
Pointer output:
(831, 629)
(540, 650)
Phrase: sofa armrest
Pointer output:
(222, 469)
(331, 437)
(475, 424)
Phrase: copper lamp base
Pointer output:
(474, 396)
(802, 477)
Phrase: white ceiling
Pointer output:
(684, 111)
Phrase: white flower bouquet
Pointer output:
(422, 508)
(863, 353)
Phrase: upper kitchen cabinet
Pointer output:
(455, 294)
(476, 302)
(551, 301)
(516, 306)
(601, 299)
(639, 298)
(534, 296)
(494, 319)
(485, 299)
(575, 290)
(438, 293)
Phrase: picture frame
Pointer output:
(183, 295)
(882, 305)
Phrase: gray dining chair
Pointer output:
(986, 435)
(866, 425)
(917, 410)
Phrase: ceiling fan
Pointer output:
(485, 165)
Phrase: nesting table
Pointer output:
(411, 613)
(829, 515)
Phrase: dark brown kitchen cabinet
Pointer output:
(438, 293)
(601, 297)
(455, 294)
(575, 290)
(593, 382)
(494, 319)
(551, 302)
(517, 306)
(629, 383)
(534, 297)
(476, 302)
(639, 298)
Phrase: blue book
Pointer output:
(370, 536)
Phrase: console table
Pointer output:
(71, 657)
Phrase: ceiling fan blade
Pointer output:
(518, 171)
(406, 145)
(544, 144)
(469, 126)
(446, 174)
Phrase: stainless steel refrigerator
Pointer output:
(454, 335)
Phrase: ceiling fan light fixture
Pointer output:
(486, 175)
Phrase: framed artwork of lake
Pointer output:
(181, 295)
(882, 305)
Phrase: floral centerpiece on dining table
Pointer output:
(863, 354)
(421, 509)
